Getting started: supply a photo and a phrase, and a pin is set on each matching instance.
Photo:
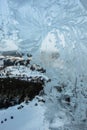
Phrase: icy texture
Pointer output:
(16, 71)
(55, 31)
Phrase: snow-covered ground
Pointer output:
(31, 117)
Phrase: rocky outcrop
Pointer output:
(19, 80)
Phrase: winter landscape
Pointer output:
(43, 65)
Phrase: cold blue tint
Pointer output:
(55, 33)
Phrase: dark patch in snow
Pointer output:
(16, 82)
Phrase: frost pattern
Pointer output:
(55, 31)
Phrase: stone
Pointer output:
(12, 117)
(15, 84)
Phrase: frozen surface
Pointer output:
(55, 33)
(16, 71)
(31, 117)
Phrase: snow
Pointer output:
(16, 71)
(31, 117)
(9, 45)
(55, 32)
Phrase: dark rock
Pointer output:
(49, 80)
(5, 119)
(20, 107)
(12, 62)
(58, 88)
(8, 62)
(36, 104)
(32, 68)
(22, 62)
(41, 100)
(14, 91)
(84, 120)
(41, 70)
(37, 68)
(14, 58)
(2, 122)
(12, 117)
(67, 99)
(29, 55)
